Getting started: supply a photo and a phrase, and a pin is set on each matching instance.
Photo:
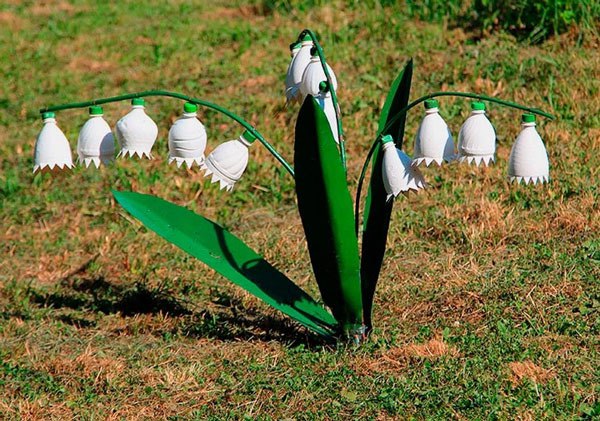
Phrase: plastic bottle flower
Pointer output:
(187, 138)
(296, 70)
(290, 86)
(477, 137)
(528, 162)
(398, 174)
(314, 82)
(95, 143)
(52, 150)
(314, 75)
(136, 132)
(228, 161)
(433, 142)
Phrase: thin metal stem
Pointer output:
(197, 101)
(413, 104)
(333, 93)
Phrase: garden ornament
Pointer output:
(346, 275)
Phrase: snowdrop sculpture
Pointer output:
(228, 161)
(296, 70)
(477, 137)
(52, 149)
(433, 142)
(399, 176)
(187, 138)
(95, 143)
(528, 162)
(136, 132)
(346, 275)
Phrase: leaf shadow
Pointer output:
(83, 300)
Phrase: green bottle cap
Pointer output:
(295, 45)
(306, 37)
(96, 110)
(528, 118)
(248, 136)
(431, 103)
(48, 114)
(138, 101)
(313, 52)
(188, 107)
(323, 86)
(387, 139)
(477, 106)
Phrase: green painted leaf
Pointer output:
(378, 210)
(326, 210)
(229, 256)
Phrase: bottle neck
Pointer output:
(244, 142)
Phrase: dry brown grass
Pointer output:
(527, 370)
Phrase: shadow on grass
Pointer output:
(226, 318)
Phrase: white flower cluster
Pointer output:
(136, 133)
(305, 76)
(476, 144)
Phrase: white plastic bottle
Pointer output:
(228, 161)
(136, 132)
(433, 142)
(187, 138)
(52, 150)
(477, 137)
(95, 143)
(528, 162)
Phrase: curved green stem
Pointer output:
(197, 101)
(413, 104)
(331, 89)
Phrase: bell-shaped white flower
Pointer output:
(289, 76)
(52, 150)
(228, 161)
(399, 176)
(314, 75)
(433, 142)
(477, 137)
(528, 162)
(296, 70)
(95, 143)
(326, 102)
(187, 138)
(136, 132)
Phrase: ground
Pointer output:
(489, 299)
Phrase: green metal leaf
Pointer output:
(229, 256)
(326, 210)
(378, 210)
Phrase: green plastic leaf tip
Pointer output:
(378, 209)
(229, 256)
(325, 207)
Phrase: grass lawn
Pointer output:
(489, 299)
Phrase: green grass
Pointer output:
(488, 306)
